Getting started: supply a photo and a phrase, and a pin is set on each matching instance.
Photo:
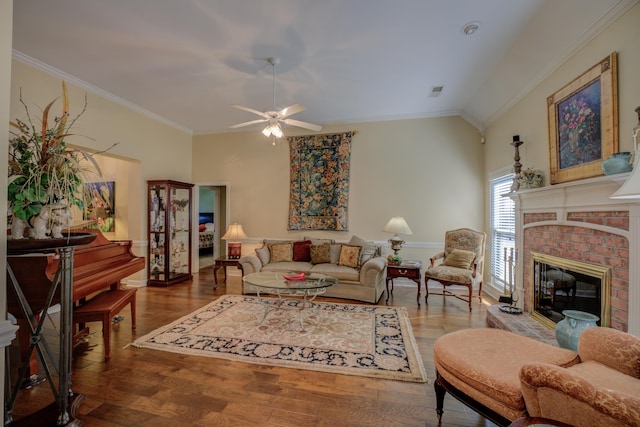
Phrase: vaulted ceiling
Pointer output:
(346, 61)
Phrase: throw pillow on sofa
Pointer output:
(350, 256)
(302, 251)
(281, 252)
(320, 253)
(334, 252)
(369, 250)
(264, 254)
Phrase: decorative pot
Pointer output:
(568, 330)
(617, 163)
(530, 179)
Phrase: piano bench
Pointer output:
(102, 308)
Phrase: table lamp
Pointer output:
(233, 234)
(397, 225)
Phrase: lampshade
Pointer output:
(631, 187)
(234, 232)
(397, 225)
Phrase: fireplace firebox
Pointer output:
(562, 284)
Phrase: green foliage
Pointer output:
(42, 169)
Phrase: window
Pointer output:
(503, 227)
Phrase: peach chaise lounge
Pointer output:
(505, 376)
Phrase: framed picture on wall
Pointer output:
(583, 123)
(100, 210)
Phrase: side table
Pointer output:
(407, 270)
(223, 262)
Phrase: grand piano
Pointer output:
(97, 266)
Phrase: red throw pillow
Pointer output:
(202, 227)
(302, 251)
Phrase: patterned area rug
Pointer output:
(372, 341)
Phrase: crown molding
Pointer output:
(25, 59)
(600, 25)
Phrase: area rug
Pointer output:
(371, 341)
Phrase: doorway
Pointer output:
(210, 212)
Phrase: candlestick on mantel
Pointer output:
(517, 166)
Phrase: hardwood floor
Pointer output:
(141, 387)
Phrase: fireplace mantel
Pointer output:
(566, 205)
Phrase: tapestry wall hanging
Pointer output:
(319, 194)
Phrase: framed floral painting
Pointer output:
(583, 123)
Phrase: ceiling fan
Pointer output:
(274, 117)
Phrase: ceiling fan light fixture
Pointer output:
(277, 131)
(273, 129)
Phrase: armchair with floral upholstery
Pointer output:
(462, 263)
(602, 390)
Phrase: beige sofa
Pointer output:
(358, 265)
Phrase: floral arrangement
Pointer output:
(394, 260)
(530, 178)
(43, 170)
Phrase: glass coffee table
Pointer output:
(276, 283)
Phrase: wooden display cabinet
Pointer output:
(169, 230)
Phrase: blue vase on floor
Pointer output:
(568, 330)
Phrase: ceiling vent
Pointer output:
(435, 91)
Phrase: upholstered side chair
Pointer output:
(460, 264)
(602, 390)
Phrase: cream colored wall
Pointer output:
(528, 118)
(162, 151)
(428, 170)
(6, 28)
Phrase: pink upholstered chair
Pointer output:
(462, 263)
(602, 390)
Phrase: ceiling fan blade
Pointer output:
(239, 125)
(290, 110)
(300, 124)
(250, 110)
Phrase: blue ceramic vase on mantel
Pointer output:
(568, 330)
(617, 163)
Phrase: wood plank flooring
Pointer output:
(141, 387)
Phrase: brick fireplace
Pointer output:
(578, 221)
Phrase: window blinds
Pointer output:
(503, 227)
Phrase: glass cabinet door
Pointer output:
(179, 226)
